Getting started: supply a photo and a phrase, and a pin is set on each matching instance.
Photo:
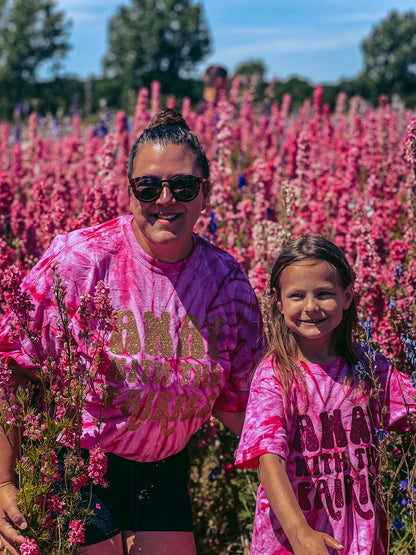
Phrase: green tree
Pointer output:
(155, 40)
(251, 68)
(31, 33)
(390, 55)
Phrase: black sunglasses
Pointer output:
(184, 188)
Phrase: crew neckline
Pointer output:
(151, 262)
(332, 369)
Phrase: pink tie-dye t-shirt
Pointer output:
(330, 451)
(187, 338)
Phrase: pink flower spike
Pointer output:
(97, 465)
(29, 547)
(6, 382)
(410, 142)
(76, 532)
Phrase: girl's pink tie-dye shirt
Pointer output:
(186, 341)
(330, 446)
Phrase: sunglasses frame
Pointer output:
(134, 182)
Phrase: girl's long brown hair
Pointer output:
(283, 346)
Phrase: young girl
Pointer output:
(311, 425)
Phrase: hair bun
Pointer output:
(168, 116)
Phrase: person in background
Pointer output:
(188, 336)
(214, 80)
(317, 406)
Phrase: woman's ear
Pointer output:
(205, 205)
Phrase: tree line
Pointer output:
(165, 40)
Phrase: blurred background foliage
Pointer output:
(165, 40)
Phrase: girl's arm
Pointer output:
(303, 539)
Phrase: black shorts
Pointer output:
(147, 497)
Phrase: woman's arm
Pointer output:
(303, 539)
(232, 420)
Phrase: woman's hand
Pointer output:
(10, 519)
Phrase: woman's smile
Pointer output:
(164, 217)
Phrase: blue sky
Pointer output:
(318, 40)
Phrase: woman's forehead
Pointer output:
(169, 159)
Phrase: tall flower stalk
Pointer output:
(51, 469)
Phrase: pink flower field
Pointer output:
(276, 173)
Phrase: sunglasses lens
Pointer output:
(147, 189)
(185, 188)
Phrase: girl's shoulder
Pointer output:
(266, 365)
(267, 369)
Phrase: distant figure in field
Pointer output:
(215, 79)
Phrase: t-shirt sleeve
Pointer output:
(38, 283)
(399, 396)
(248, 347)
(265, 425)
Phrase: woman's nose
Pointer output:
(166, 195)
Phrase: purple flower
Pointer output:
(409, 349)
(381, 434)
(360, 371)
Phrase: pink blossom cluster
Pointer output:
(97, 466)
(20, 302)
(410, 142)
(49, 469)
(6, 382)
(29, 547)
(76, 532)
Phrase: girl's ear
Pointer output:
(279, 306)
(348, 296)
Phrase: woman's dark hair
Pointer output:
(169, 128)
(282, 341)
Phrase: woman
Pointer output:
(188, 335)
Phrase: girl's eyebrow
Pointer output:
(293, 289)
